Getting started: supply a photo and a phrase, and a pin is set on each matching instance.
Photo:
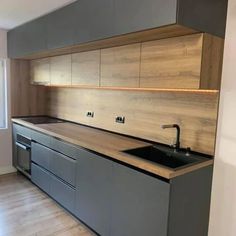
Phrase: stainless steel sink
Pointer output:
(166, 156)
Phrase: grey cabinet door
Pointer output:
(136, 15)
(63, 194)
(41, 155)
(140, 204)
(41, 178)
(27, 39)
(64, 167)
(94, 20)
(60, 27)
(93, 191)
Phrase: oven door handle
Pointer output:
(22, 146)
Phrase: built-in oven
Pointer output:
(23, 154)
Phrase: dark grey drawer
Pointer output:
(40, 177)
(41, 155)
(63, 167)
(22, 130)
(65, 148)
(41, 138)
(63, 194)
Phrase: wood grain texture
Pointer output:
(120, 66)
(27, 211)
(60, 67)
(172, 63)
(137, 37)
(40, 71)
(86, 68)
(212, 61)
(145, 112)
(109, 144)
(26, 99)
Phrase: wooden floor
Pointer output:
(27, 211)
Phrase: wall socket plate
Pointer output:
(120, 119)
(90, 114)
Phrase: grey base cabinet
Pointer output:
(140, 204)
(117, 200)
(93, 197)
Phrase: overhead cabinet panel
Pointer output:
(206, 16)
(137, 15)
(61, 26)
(94, 20)
(28, 38)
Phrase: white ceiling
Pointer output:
(17, 12)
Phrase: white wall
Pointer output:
(223, 207)
(5, 135)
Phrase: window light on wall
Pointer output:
(3, 95)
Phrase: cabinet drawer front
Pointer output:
(41, 155)
(40, 177)
(63, 167)
(64, 148)
(22, 130)
(63, 194)
(40, 138)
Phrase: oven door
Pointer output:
(23, 153)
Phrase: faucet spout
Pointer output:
(177, 143)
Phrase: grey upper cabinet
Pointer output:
(138, 198)
(94, 20)
(60, 27)
(94, 187)
(137, 15)
(88, 20)
(28, 38)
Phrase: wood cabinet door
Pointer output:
(86, 68)
(60, 70)
(40, 71)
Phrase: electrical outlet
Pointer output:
(120, 119)
(90, 114)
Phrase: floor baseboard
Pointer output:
(7, 170)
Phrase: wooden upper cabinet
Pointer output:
(60, 70)
(40, 71)
(172, 63)
(120, 66)
(86, 68)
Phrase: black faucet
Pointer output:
(177, 144)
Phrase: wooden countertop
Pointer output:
(108, 144)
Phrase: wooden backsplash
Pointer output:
(144, 112)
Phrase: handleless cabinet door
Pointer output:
(64, 167)
(60, 27)
(94, 20)
(60, 70)
(27, 39)
(136, 15)
(139, 203)
(93, 197)
(40, 71)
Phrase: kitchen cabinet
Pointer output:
(27, 39)
(40, 71)
(138, 198)
(137, 15)
(120, 66)
(115, 199)
(94, 20)
(86, 21)
(93, 197)
(60, 69)
(60, 27)
(86, 68)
